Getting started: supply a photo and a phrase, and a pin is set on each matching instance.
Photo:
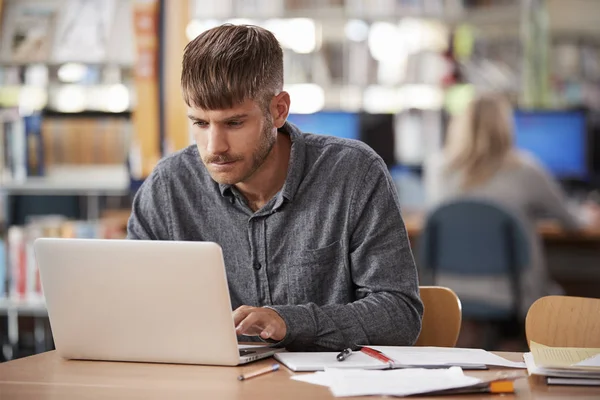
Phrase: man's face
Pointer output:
(233, 143)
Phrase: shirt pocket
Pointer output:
(318, 276)
(326, 253)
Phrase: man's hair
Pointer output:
(229, 64)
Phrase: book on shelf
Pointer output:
(31, 145)
(3, 269)
(34, 146)
(21, 268)
(13, 145)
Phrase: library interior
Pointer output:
(485, 114)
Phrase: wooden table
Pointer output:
(47, 376)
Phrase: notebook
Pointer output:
(399, 357)
(573, 381)
(564, 365)
(306, 362)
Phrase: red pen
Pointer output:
(377, 355)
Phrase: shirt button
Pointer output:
(257, 266)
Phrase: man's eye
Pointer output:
(201, 124)
(235, 124)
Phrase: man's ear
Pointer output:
(280, 108)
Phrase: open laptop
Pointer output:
(146, 301)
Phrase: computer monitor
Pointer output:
(593, 123)
(377, 131)
(335, 123)
(557, 139)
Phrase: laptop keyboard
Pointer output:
(246, 352)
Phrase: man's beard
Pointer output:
(260, 154)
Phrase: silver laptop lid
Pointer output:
(152, 301)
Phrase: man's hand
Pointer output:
(259, 321)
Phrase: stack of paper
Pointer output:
(564, 365)
(404, 382)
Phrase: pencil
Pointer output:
(261, 371)
(501, 387)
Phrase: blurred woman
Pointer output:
(480, 160)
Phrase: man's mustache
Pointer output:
(221, 158)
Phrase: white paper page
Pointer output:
(532, 369)
(318, 378)
(402, 382)
(590, 362)
(428, 356)
(315, 361)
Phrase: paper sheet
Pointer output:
(444, 356)
(318, 378)
(590, 362)
(563, 357)
(404, 382)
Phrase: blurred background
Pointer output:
(90, 101)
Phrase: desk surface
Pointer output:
(48, 376)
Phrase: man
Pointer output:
(316, 251)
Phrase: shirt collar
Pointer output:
(295, 166)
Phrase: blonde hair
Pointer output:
(480, 140)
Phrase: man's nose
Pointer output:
(217, 141)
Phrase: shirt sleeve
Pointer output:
(388, 309)
(149, 219)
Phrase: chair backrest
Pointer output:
(441, 317)
(563, 321)
(476, 237)
(473, 237)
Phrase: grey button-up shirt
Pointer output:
(329, 252)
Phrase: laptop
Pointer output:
(141, 301)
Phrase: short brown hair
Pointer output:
(229, 64)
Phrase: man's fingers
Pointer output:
(246, 326)
(240, 313)
(268, 331)
(256, 321)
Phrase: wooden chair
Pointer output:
(441, 317)
(563, 321)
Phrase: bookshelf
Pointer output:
(13, 309)
(31, 308)
(84, 180)
(79, 122)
